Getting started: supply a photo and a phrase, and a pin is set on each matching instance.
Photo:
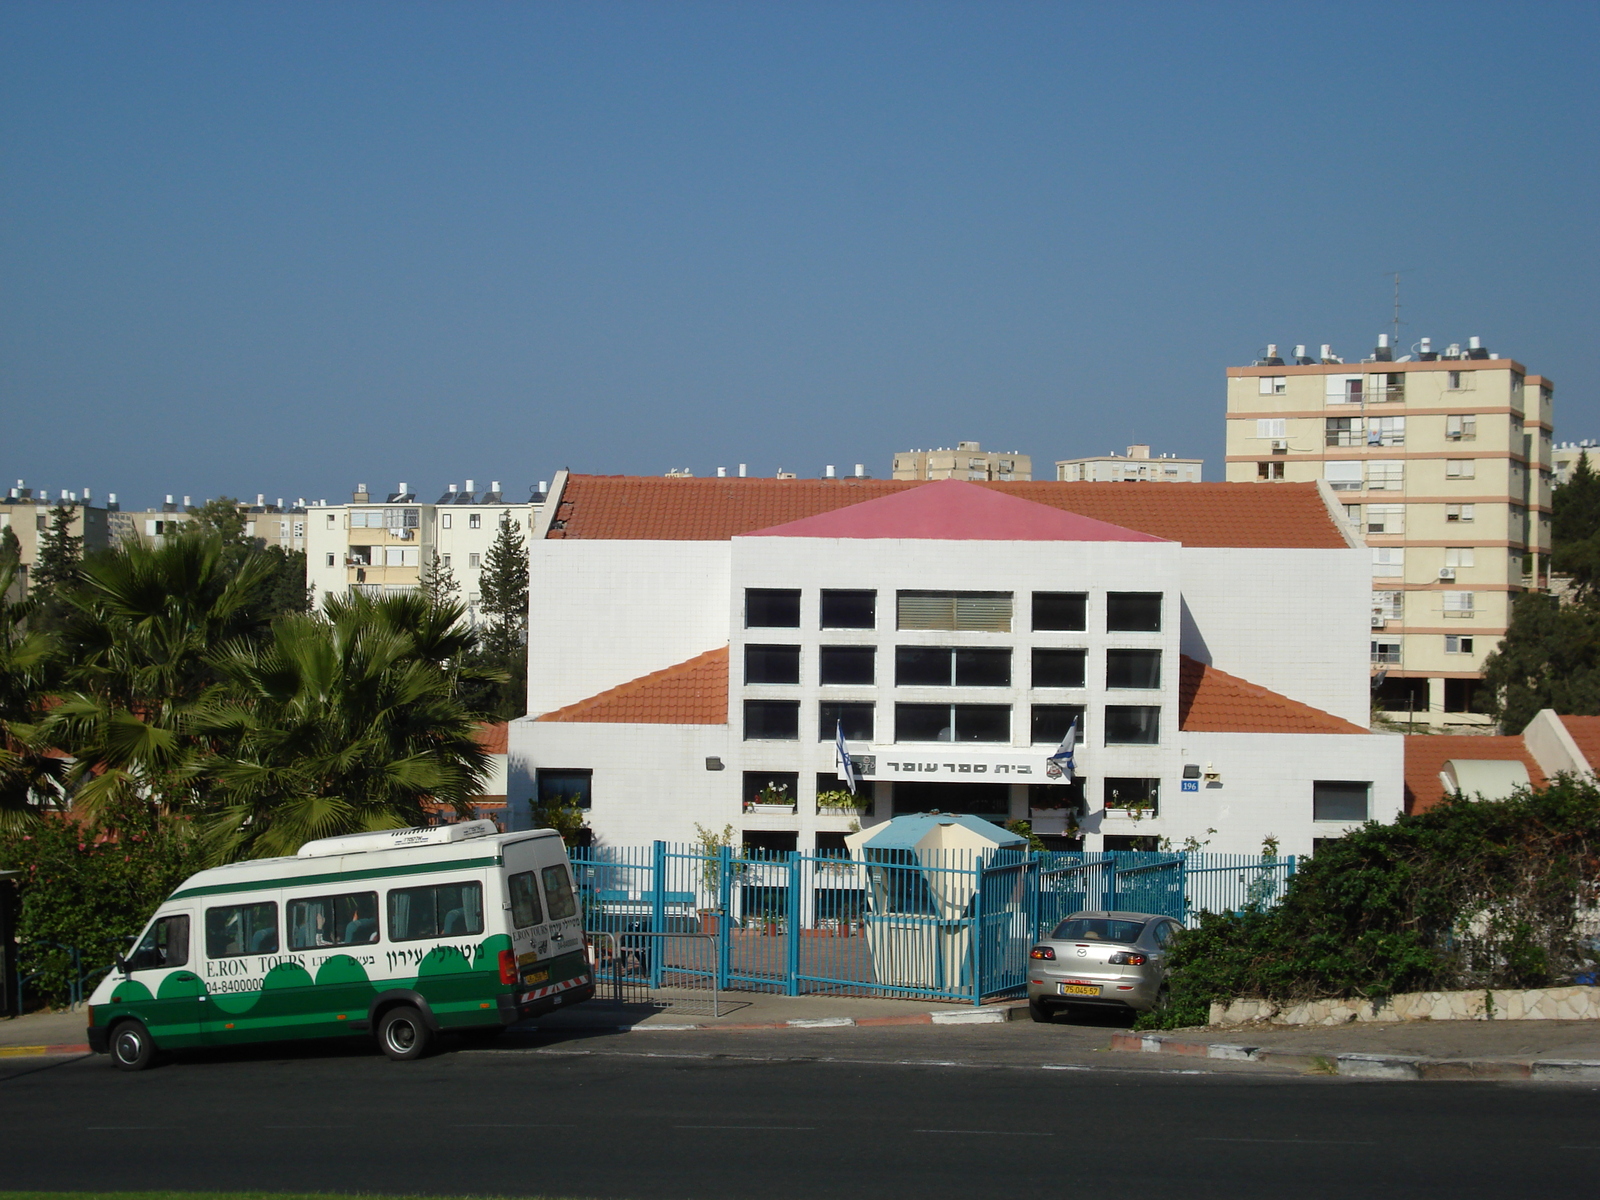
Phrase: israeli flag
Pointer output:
(1063, 762)
(847, 769)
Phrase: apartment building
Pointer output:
(384, 544)
(701, 643)
(969, 461)
(1442, 461)
(1564, 458)
(26, 512)
(1134, 467)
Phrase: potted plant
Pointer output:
(773, 798)
(842, 802)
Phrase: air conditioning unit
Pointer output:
(1447, 573)
(1378, 620)
(1280, 446)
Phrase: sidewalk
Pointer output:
(1405, 1050)
(762, 1010)
(39, 1033)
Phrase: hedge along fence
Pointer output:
(90, 887)
(1472, 894)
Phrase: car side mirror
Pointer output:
(122, 965)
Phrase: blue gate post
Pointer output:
(725, 914)
(975, 929)
(791, 970)
(658, 911)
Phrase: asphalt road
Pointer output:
(908, 1113)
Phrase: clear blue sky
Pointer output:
(287, 248)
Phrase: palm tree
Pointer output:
(28, 772)
(141, 627)
(339, 723)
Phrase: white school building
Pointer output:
(698, 643)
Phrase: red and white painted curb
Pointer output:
(989, 1014)
(1365, 1066)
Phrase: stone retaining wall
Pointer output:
(1541, 1004)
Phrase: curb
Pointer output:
(997, 1014)
(1365, 1066)
(43, 1051)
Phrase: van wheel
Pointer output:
(132, 1048)
(1040, 1012)
(403, 1034)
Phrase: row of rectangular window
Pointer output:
(1369, 431)
(1387, 651)
(414, 914)
(779, 721)
(1376, 388)
(989, 612)
(1331, 799)
(945, 666)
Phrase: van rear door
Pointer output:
(546, 919)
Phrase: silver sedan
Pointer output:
(1103, 959)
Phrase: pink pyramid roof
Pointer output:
(952, 510)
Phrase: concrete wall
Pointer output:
(605, 612)
(1294, 621)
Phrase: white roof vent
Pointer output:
(397, 839)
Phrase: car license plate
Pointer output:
(1080, 989)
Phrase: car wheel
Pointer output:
(132, 1048)
(1042, 1013)
(404, 1034)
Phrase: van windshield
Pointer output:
(1097, 929)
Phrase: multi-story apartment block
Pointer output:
(702, 643)
(27, 514)
(968, 461)
(1134, 467)
(1442, 461)
(1566, 455)
(382, 546)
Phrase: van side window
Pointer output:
(241, 929)
(524, 900)
(558, 893)
(166, 945)
(333, 921)
(446, 910)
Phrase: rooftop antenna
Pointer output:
(1395, 341)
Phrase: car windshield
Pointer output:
(1097, 929)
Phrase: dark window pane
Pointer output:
(558, 788)
(983, 722)
(241, 929)
(1060, 610)
(772, 664)
(1138, 612)
(983, 668)
(922, 723)
(1066, 799)
(1132, 725)
(526, 911)
(848, 664)
(772, 720)
(1058, 668)
(1051, 721)
(918, 666)
(855, 718)
(558, 896)
(979, 799)
(849, 610)
(1141, 842)
(1339, 800)
(772, 608)
(1142, 794)
(1133, 668)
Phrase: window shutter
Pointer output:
(924, 611)
(989, 613)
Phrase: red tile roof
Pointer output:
(688, 693)
(1586, 732)
(653, 508)
(1212, 701)
(1426, 755)
(492, 737)
(953, 510)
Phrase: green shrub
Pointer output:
(1472, 894)
(91, 886)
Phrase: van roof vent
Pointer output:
(397, 839)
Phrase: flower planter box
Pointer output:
(771, 808)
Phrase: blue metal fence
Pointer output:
(949, 925)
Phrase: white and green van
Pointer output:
(405, 934)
